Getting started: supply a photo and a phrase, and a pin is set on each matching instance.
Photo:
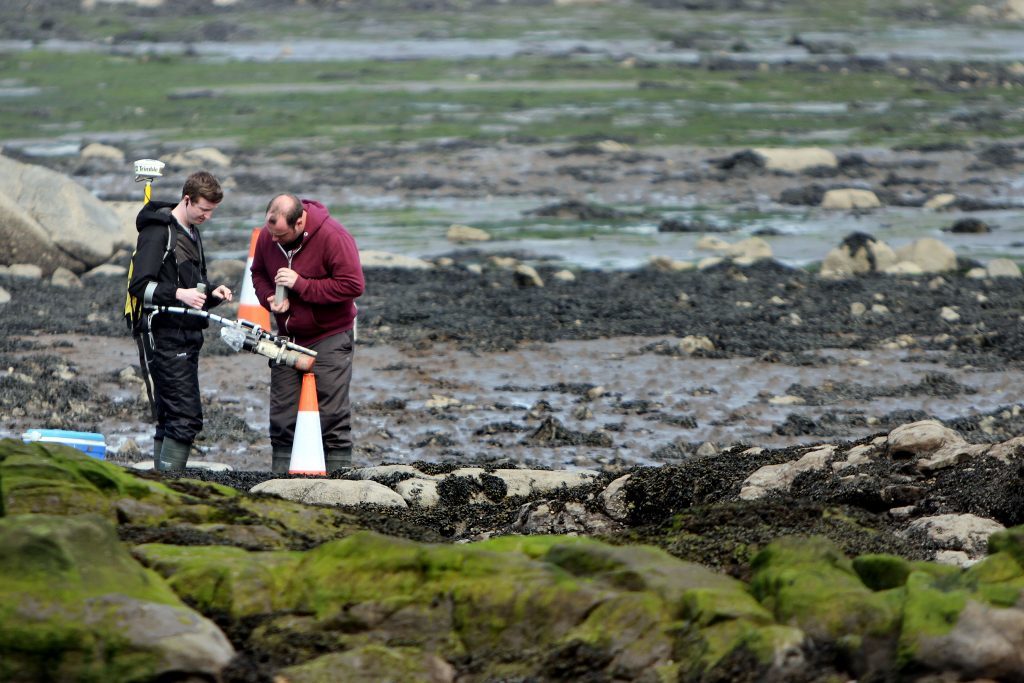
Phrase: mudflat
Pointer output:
(460, 364)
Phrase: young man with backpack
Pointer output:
(169, 269)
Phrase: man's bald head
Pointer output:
(286, 218)
(287, 206)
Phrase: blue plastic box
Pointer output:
(90, 443)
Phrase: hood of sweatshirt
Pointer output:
(316, 214)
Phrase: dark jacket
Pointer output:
(322, 302)
(155, 279)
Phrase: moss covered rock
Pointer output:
(57, 479)
(60, 480)
(949, 627)
(809, 582)
(310, 589)
(1009, 541)
(373, 663)
(75, 606)
(508, 607)
(223, 580)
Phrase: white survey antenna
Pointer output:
(148, 169)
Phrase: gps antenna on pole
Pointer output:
(148, 170)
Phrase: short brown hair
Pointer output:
(202, 184)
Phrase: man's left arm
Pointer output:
(346, 280)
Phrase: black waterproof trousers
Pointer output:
(171, 360)
(333, 372)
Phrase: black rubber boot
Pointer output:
(158, 445)
(338, 459)
(281, 460)
(173, 456)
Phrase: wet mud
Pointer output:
(456, 366)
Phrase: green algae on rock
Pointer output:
(509, 605)
(74, 605)
(58, 479)
(302, 589)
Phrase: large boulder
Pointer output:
(75, 606)
(1011, 10)
(850, 198)
(797, 159)
(930, 254)
(60, 480)
(124, 214)
(51, 221)
(857, 254)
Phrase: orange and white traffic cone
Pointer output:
(307, 444)
(249, 305)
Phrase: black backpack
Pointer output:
(133, 312)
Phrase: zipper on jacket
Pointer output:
(289, 255)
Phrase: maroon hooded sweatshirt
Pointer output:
(322, 302)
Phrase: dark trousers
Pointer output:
(170, 359)
(333, 372)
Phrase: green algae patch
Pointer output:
(493, 602)
(633, 631)
(1009, 541)
(637, 568)
(534, 547)
(223, 580)
(709, 606)
(502, 602)
(370, 566)
(58, 479)
(56, 556)
(932, 608)
(205, 517)
(705, 653)
(74, 605)
(659, 595)
(303, 526)
(723, 621)
(372, 663)
(882, 572)
(997, 580)
(809, 583)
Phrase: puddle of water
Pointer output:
(797, 236)
(767, 40)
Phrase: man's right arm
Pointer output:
(262, 281)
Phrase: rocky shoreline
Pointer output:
(707, 468)
(753, 541)
(937, 505)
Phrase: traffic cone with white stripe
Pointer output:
(249, 305)
(307, 444)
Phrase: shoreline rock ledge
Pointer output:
(111, 574)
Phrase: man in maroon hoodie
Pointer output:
(311, 255)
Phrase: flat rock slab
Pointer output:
(339, 492)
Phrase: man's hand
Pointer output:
(192, 297)
(286, 277)
(223, 292)
(277, 307)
